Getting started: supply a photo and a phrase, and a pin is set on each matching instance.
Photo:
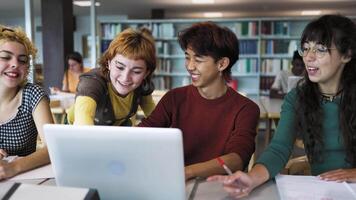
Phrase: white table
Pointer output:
(204, 190)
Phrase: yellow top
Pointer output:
(83, 110)
(70, 85)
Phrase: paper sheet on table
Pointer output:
(311, 187)
(42, 172)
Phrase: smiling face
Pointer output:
(323, 65)
(204, 70)
(126, 74)
(13, 64)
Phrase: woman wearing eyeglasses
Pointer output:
(321, 110)
(24, 107)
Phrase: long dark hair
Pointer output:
(328, 30)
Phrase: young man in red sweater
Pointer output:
(215, 120)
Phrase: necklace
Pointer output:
(330, 96)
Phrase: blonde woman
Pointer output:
(24, 106)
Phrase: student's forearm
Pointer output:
(259, 174)
(212, 167)
(84, 110)
(34, 160)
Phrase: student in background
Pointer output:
(321, 110)
(111, 94)
(71, 75)
(279, 87)
(24, 107)
(215, 120)
(74, 70)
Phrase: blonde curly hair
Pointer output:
(16, 34)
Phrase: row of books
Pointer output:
(275, 28)
(163, 66)
(162, 83)
(168, 48)
(170, 30)
(246, 28)
(278, 46)
(110, 30)
(163, 30)
(273, 66)
(246, 66)
(248, 46)
(173, 48)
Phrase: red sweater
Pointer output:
(211, 128)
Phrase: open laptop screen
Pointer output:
(121, 162)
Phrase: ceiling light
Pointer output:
(311, 12)
(85, 3)
(213, 14)
(203, 1)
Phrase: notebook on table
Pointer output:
(120, 162)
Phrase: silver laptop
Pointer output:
(121, 162)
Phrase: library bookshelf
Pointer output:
(266, 47)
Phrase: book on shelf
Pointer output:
(275, 28)
(281, 28)
(159, 47)
(163, 66)
(168, 48)
(266, 28)
(273, 66)
(248, 47)
(246, 28)
(110, 30)
(278, 46)
(163, 30)
(162, 82)
(246, 66)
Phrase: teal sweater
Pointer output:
(275, 157)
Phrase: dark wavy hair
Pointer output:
(328, 30)
(209, 39)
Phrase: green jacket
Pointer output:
(277, 154)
